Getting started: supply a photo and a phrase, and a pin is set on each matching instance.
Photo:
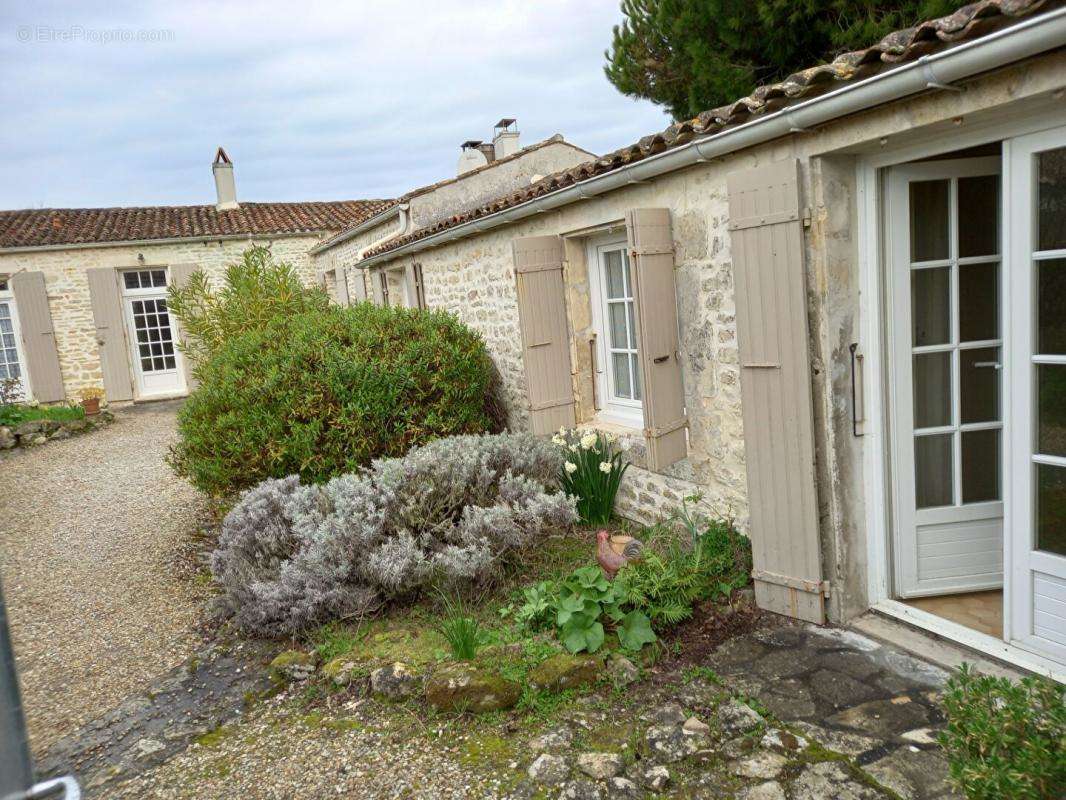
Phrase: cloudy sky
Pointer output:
(343, 100)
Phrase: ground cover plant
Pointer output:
(289, 385)
(1005, 738)
(15, 413)
(592, 472)
(293, 555)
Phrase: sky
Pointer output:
(124, 103)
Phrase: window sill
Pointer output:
(629, 429)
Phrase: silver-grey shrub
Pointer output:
(292, 555)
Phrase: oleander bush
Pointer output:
(292, 555)
(1005, 738)
(322, 394)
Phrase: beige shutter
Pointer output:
(38, 337)
(411, 286)
(651, 252)
(340, 277)
(179, 278)
(767, 247)
(545, 335)
(377, 285)
(110, 333)
(358, 287)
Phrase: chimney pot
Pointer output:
(225, 185)
(505, 137)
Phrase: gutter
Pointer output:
(366, 224)
(1022, 40)
(248, 237)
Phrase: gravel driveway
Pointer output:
(91, 532)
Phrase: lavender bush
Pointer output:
(291, 555)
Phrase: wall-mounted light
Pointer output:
(140, 258)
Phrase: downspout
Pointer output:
(931, 72)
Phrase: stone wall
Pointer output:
(343, 255)
(68, 290)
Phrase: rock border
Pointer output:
(36, 432)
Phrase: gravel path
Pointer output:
(92, 530)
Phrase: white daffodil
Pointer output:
(612, 438)
(558, 440)
(573, 448)
(605, 466)
(588, 441)
(625, 444)
(570, 467)
(562, 430)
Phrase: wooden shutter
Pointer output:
(179, 278)
(768, 271)
(412, 286)
(110, 333)
(651, 252)
(358, 288)
(340, 278)
(545, 335)
(415, 279)
(38, 337)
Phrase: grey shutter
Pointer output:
(179, 278)
(38, 336)
(377, 286)
(767, 245)
(545, 335)
(651, 250)
(340, 278)
(110, 333)
(358, 287)
(412, 286)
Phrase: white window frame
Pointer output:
(8, 296)
(610, 407)
(142, 379)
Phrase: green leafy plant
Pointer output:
(1005, 738)
(15, 413)
(324, 393)
(592, 472)
(463, 631)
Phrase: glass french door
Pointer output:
(1037, 182)
(943, 235)
(156, 361)
(11, 360)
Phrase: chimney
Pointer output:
(472, 155)
(225, 187)
(505, 137)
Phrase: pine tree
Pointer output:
(693, 55)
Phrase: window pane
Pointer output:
(978, 302)
(620, 366)
(616, 320)
(932, 390)
(933, 467)
(131, 279)
(1051, 306)
(612, 265)
(635, 371)
(931, 305)
(1051, 509)
(980, 466)
(1051, 409)
(979, 216)
(979, 384)
(159, 277)
(632, 327)
(1051, 221)
(929, 220)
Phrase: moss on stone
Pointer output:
(566, 671)
(464, 687)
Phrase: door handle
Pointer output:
(987, 365)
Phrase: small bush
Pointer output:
(1005, 739)
(292, 555)
(462, 631)
(592, 472)
(320, 395)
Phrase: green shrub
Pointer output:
(322, 394)
(592, 472)
(256, 291)
(461, 630)
(1005, 738)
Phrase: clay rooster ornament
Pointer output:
(614, 552)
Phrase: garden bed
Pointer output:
(32, 426)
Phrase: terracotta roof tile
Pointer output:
(70, 226)
(968, 22)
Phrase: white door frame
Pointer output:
(870, 236)
(898, 271)
(1026, 560)
(8, 297)
(140, 390)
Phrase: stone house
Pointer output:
(831, 310)
(83, 291)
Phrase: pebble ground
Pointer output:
(94, 538)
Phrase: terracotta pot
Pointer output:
(91, 406)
